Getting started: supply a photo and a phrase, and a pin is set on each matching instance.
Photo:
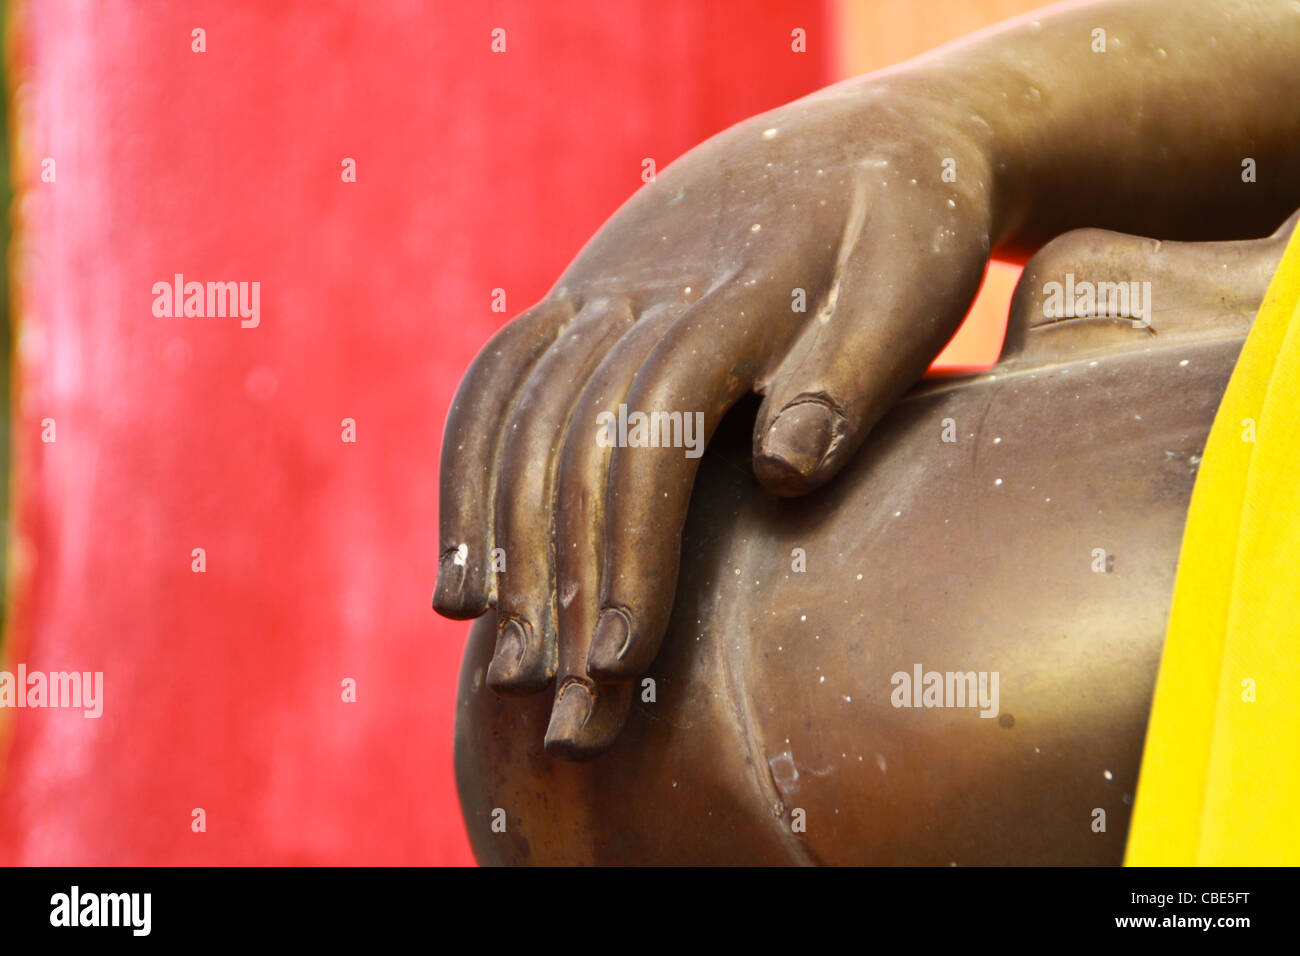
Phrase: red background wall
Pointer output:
(475, 171)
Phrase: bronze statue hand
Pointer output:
(819, 255)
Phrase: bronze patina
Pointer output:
(781, 288)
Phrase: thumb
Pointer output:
(888, 312)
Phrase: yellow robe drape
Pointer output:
(1220, 779)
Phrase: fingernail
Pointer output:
(568, 717)
(512, 641)
(449, 593)
(796, 443)
(609, 643)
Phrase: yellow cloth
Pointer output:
(1220, 780)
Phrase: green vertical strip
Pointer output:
(6, 333)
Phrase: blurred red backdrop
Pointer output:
(475, 170)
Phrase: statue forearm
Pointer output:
(1133, 115)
